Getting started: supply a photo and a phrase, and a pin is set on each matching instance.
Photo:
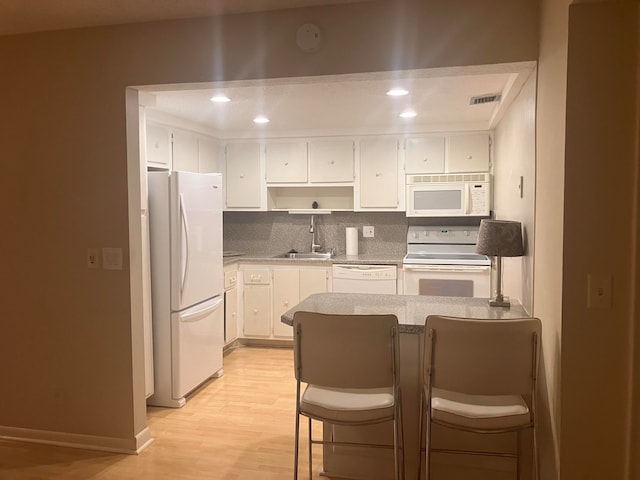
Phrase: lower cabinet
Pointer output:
(269, 292)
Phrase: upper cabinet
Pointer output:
(209, 156)
(424, 154)
(158, 146)
(244, 176)
(185, 152)
(379, 174)
(286, 162)
(331, 161)
(468, 153)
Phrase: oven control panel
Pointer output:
(443, 235)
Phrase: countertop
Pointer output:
(411, 310)
(341, 259)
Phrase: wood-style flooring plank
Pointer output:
(237, 427)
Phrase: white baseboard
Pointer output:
(129, 446)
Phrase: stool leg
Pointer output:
(310, 452)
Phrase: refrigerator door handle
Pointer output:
(198, 313)
(185, 227)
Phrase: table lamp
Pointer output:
(500, 238)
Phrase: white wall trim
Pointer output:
(75, 440)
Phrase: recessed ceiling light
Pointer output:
(408, 114)
(220, 99)
(397, 92)
(261, 119)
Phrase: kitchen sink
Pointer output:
(308, 255)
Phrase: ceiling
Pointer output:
(345, 104)
(25, 16)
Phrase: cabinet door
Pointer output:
(230, 315)
(331, 161)
(468, 153)
(257, 310)
(158, 146)
(185, 152)
(242, 166)
(286, 162)
(209, 156)
(312, 280)
(424, 154)
(379, 173)
(285, 296)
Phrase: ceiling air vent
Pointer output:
(481, 99)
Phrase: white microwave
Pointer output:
(449, 195)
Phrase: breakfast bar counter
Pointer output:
(411, 311)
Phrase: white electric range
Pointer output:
(441, 260)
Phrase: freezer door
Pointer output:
(197, 338)
(196, 238)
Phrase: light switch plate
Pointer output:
(599, 288)
(112, 258)
(367, 231)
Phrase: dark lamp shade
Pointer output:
(500, 238)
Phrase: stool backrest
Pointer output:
(482, 357)
(345, 351)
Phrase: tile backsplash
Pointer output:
(272, 233)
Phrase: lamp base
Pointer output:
(500, 301)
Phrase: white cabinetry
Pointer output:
(291, 285)
(331, 161)
(269, 291)
(209, 156)
(379, 174)
(158, 145)
(185, 152)
(243, 170)
(286, 162)
(230, 303)
(286, 294)
(468, 153)
(424, 154)
(257, 302)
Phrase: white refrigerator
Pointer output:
(187, 282)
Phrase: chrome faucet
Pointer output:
(312, 230)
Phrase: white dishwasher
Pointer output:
(364, 278)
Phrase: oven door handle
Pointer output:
(448, 268)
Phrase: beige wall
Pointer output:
(548, 248)
(66, 351)
(515, 157)
(600, 214)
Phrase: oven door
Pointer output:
(447, 280)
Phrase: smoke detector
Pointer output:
(308, 37)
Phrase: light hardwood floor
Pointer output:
(237, 427)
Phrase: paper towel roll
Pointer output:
(352, 241)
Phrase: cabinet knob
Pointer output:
(331, 162)
(286, 163)
(242, 175)
(377, 174)
(286, 304)
(255, 310)
(233, 314)
(425, 159)
(469, 157)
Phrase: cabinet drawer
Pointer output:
(257, 276)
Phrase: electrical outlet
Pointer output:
(92, 258)
(367, 231)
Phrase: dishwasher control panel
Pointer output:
(365, 272)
